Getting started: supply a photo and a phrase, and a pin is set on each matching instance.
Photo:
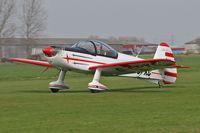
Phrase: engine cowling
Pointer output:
(48, 51)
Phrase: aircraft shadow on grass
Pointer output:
(142, 89)
(123, 90)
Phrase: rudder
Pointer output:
(164, 52)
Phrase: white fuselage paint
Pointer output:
(81, 61)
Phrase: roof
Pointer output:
(53, 41)
(48, 41)
(179, 49)
(196, 41)
(38, 41)
(133, 45)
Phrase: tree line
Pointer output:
(24, 18)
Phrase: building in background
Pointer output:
(179, 50)
(193, 47)
(148, 48)
(139, 48)
(21, 47)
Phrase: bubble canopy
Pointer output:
(94, 47)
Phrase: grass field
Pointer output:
(130, 105)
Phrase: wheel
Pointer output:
(95, 91)
(54, 90)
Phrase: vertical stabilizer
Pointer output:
(164, 52)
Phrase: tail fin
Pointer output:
(169, 74)
(164, 51)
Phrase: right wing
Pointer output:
(134, 66)
(35, 62)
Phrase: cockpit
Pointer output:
(94, 48)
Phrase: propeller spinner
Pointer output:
(48, 51)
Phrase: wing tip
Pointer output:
(35, 62)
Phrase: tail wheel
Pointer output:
(95, 91)
(54, 90)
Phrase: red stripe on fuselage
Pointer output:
(171, 74)
(169, 54)
(81, 60)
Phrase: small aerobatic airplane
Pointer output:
(99, 58)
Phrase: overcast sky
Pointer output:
(153, 20)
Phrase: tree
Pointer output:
(7, 25)
(33, 18)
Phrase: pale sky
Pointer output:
(153, 20)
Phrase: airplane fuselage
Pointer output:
(80, 61)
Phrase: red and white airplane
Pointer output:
(99, 58)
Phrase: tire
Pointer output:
(95, 91)
(54, 90)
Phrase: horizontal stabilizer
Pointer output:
(179, 66)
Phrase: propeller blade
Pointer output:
(45, 70)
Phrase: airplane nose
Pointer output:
(48, 51)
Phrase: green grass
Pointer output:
(130, 105)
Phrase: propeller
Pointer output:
(45, 70)
(51, 51)
(53, 75)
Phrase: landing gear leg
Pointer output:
(95, 86)
(55, 86)
(160, 84)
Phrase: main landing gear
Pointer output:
(95, 86)
(55, 86)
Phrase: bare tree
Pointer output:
(7, 25)
(33, 18)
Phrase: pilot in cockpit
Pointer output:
(101, 50)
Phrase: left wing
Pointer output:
(135, 66)
(35, 62)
